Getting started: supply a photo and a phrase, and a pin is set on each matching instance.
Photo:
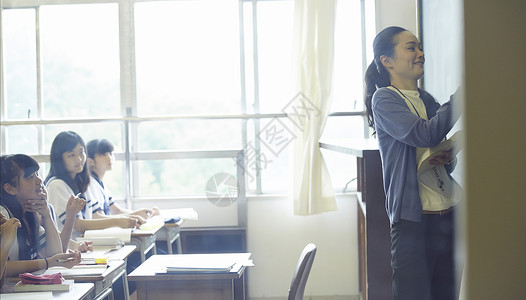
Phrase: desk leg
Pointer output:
(228, 289)
(178, 241)
(239, 288)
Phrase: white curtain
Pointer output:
(313, 51)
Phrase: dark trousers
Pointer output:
(423, 258)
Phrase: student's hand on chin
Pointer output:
(38, 206)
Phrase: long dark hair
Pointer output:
(376, 75)
(64, 142)
(12, 168)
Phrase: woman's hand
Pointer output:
(138, 219)
(442, 158)
(146, 213)
(127, 222)
(39, 204)
(74, 206)
(68, 260)
(8, 228)
(83, 246)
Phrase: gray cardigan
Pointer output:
(399, 133)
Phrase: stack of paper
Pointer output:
(183, 213)
(200, 265)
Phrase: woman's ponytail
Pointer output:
(376, 75)
(375, 78)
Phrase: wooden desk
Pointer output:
(120, 254)
(79, 291)
(144, 240)
(170, 233)
(202, 286)
(373, 224)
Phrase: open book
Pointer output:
(113, 236)
(455, 143)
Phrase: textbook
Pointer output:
(64, 286)
(79, 270)
(454, 143)
(28, 295)
(198, 264)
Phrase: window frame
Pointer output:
(128, 97)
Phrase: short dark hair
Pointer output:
(99, 146)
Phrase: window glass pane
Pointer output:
(182, 177)
(348, 77)
(370, 29)
(350, 127)
(275, 22)
(342, 168)
(274, 139)
(114, 179)
(22, 139)
(80, 60)
(88, 131)
(19, 50)
(190, 134)
(187, 57)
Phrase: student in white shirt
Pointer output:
(100, 159)
(37, 244)
(69, 175)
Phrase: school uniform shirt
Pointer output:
(14, 251)
(59, 192)
(98, 192)
(399, 133)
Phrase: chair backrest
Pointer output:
(299, 279)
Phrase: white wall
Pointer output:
(401, 13)
(276, 238)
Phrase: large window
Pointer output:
(173, 84)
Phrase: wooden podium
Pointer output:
(373, 224)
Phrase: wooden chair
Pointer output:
(299, 279)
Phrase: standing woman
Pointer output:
(69, 176)
(408, 120)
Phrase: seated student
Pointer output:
(37, 244)
(69, 175)
(100, 159)
(8, 230)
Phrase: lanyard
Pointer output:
(407, 100)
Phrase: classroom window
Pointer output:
(161, 78)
